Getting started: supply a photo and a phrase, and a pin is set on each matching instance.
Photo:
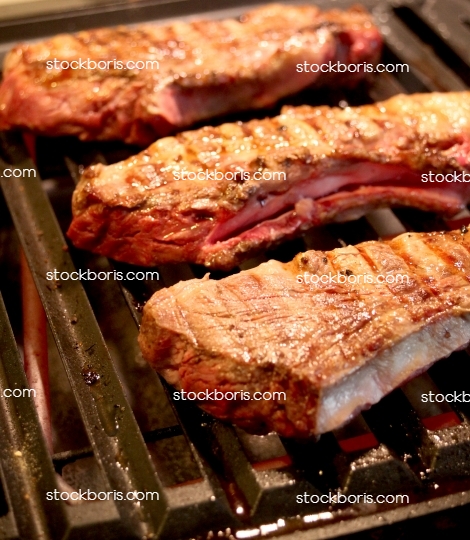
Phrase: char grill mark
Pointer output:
(336, 166)
(204, 69)
(334, 349)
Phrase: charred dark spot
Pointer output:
(304, 260)
(324, 260)
(268, 368)
(90, 376)
(238, 177)
(287, 162)
(375, 344)
(348, 272)
(260, 162)
(202, 215)
(447, 334)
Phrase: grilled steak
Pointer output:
(333, 348)
(201, 69)
(319, 164)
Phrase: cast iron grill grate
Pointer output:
(213, 479)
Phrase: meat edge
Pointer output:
(97, 227)
(393, 367)
(305, 411)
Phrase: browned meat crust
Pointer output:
(337, 165)
(332, 348)
(201, 69)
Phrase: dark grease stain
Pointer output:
(90, 376)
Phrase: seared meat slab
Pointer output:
(334, 349)
(320, 164)
(200, 70)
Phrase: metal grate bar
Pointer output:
(107, 416)
(23, 450)
(427, 68)
(210, 486)
(450, 22)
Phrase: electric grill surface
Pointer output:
(115, 425)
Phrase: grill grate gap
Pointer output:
(434, 41)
